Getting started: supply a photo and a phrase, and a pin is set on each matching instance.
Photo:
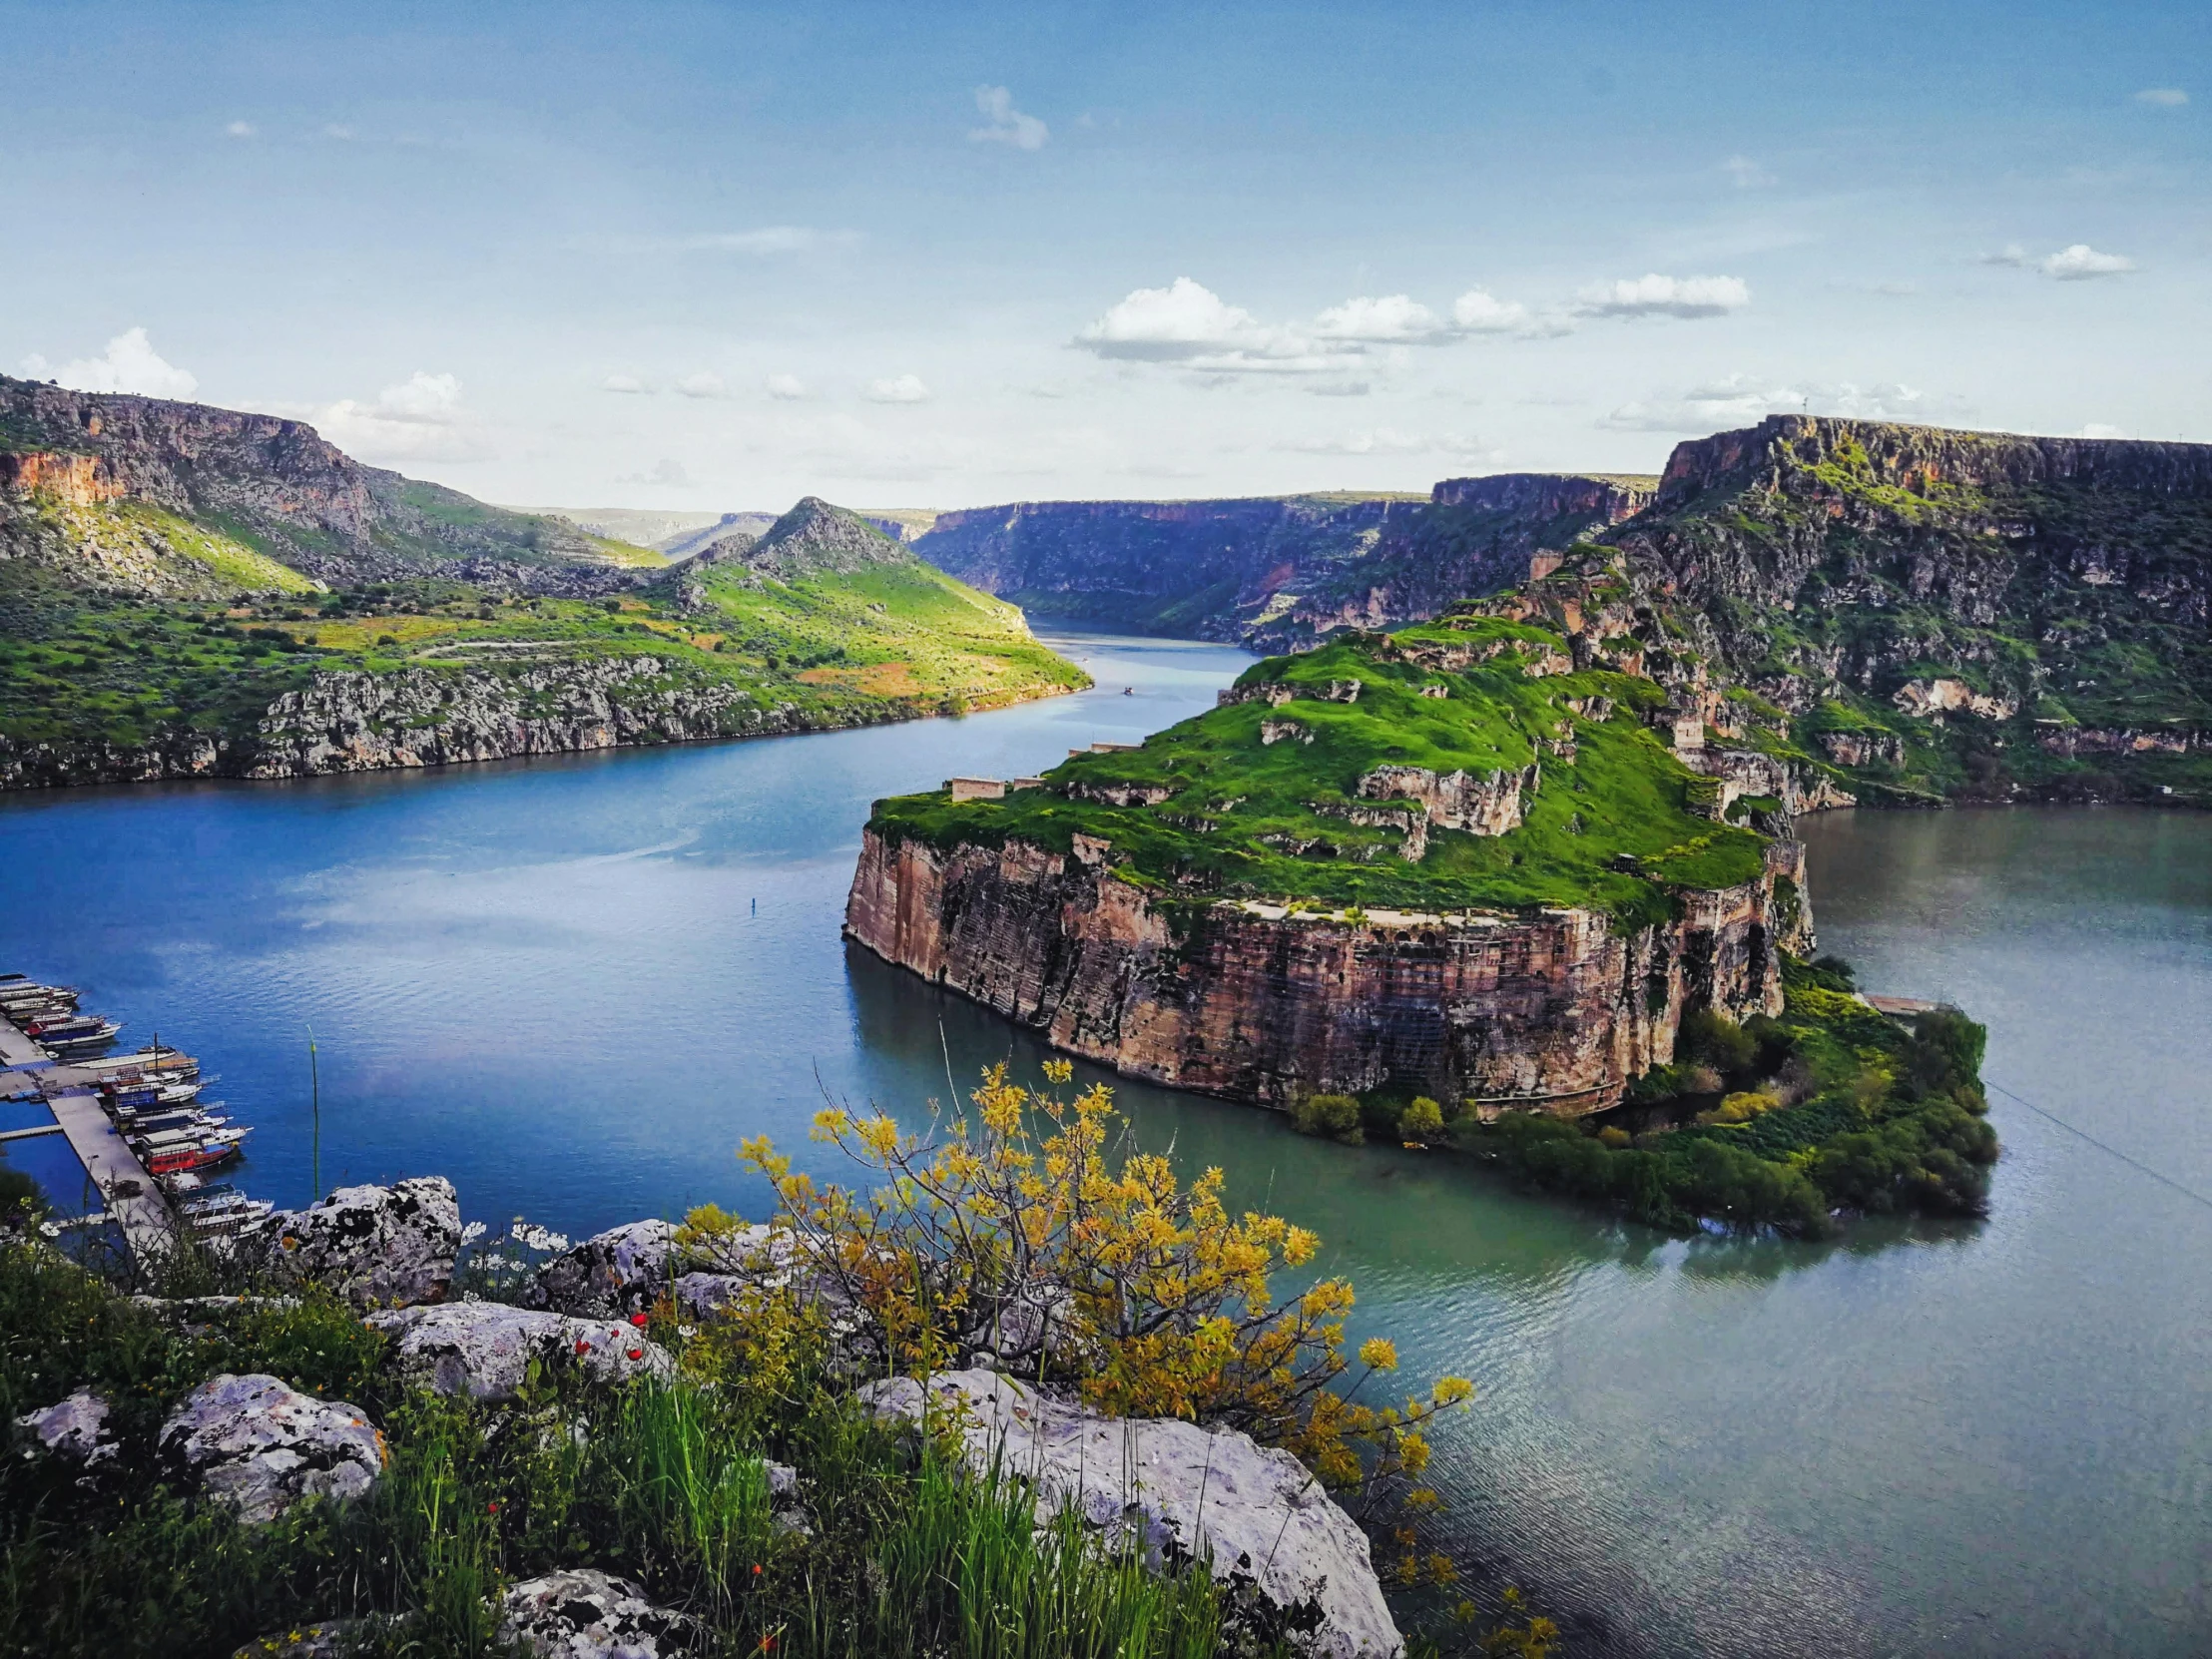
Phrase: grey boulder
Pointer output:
(259, 1447)
(1165, 1487)
(74, 1428)
(586, 1614)
(378, 1247)
(620, 1271)
(484, 1349)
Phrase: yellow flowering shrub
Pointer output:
(1018, 1233)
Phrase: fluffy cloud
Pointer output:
(1189, 324)
(702, 384)
(2098, 429)
(1396, 320)
(625, 383)
(2077, 263)
(1741, 401)
(2081, 262)
(786, 388)
(1478, 311)
(129, 363)
(241, 129)
(419, 420)
(902, 388)
(1657, 296)
(2165, 98)
(1007, 125)
(1746, 173)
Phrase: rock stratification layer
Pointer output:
(1556, 1010)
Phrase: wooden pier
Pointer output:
(134, 1202)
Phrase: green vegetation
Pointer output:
(87, 671)
(908, 1554)
(1780, 1122)
(1263, 799)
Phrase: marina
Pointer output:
(132, 1120)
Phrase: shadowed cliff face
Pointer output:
(1274, 572)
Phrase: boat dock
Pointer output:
(18, 1052)
(133, 1200)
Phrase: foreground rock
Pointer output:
(586, 1614)
(484, 1349)
(620, 1271)
(74, 1428)
(1160, 1485)
(261, 1447)
(378, 1247)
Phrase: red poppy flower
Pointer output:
(638, 1320)
(637, 1354)
(582, 1347)
(492, 1509)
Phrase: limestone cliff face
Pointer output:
(1552, 1010)
(350, 722)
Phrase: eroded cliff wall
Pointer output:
(1553, 1010)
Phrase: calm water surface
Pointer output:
(573, 985)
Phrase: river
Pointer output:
(574, 984)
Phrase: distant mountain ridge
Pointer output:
(1275, 571)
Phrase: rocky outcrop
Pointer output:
(584, 1613)
(378, 1247)
(485, 1348)
(308, 502)
(76, 1427)
(355, 721)
(1484, 804)
(1927, 697)
(1554, 1009)
(259, 1447)
(1168, 1489)
(2071, 741)
(614, 1272)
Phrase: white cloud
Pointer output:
(1746, 173)
(2098, 429)
(702, 384)
(1178, 323)
(2165, 98)
(1741, 400)
(2077, 263)
(1007, 124)
(1478, 311)
(1657, 296)
(2080, 262)
(241, 129)
(419, 420)
(785, 388)
(334, 131)
(130, 364)
(625, 383)
(902, 388)
(1396, 320)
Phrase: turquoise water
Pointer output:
(572, 985)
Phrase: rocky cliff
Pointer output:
(1946, 614)
(1555, 1010)
(358, 722)
(1274, 571)
(272, 484)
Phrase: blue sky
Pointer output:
(715, 256)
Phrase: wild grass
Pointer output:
(901, 1551)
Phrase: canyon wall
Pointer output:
(1552, 1010)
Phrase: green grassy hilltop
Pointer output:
(1257, 799)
